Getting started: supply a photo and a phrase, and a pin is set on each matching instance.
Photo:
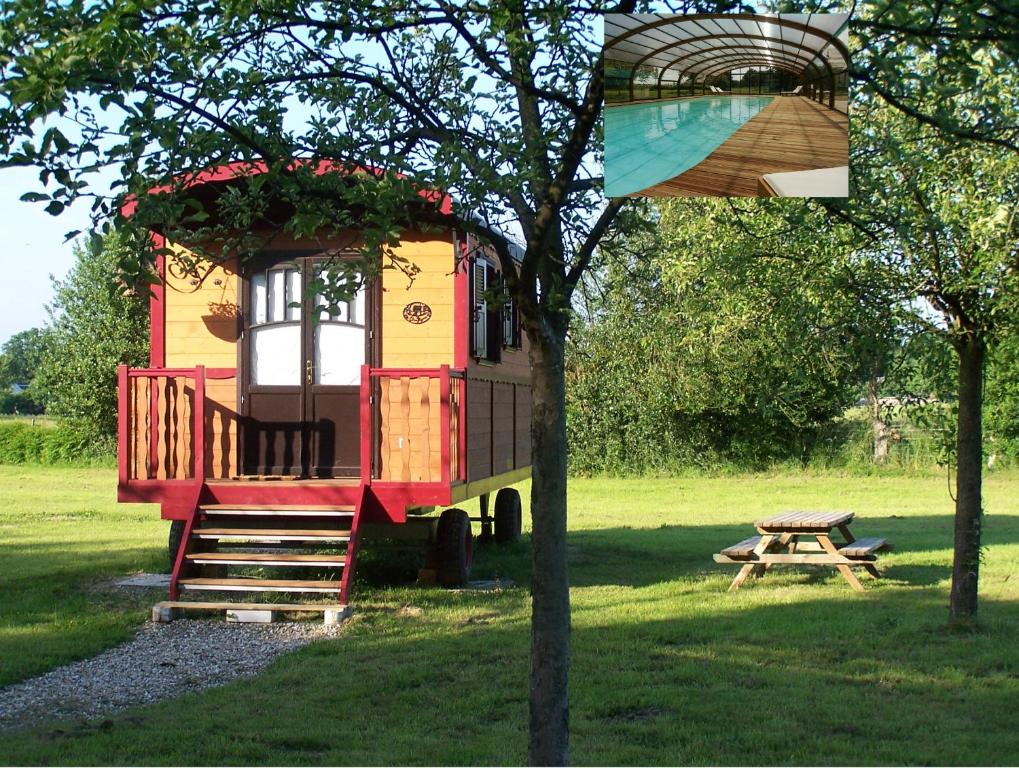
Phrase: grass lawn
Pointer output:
(668, 668)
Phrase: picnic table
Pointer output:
(804, 538)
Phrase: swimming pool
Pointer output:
(648, 143)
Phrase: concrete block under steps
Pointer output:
(169, 610)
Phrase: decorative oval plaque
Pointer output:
(417, 312)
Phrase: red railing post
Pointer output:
(123, 425)
(462, 426)
(367, 433)
(446, 474)
(198, 429)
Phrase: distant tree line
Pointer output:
(69, 366)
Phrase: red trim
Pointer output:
(461, 305)
(123, 424)
(352, 546)
(157, 309)
(367, 434)
(432, 373)
(463, 430)
(244, 168)
(198, 438)
(210, 373)
(179, 561)
(396, 497)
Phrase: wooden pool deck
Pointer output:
(792, 133)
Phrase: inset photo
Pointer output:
(727, 105)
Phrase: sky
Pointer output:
(34, 249)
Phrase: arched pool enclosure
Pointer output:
(654, 56)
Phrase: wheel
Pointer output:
(508, 517)
(173, 542)
(454, 548)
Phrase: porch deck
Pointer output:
(176, 448)
(790, 134)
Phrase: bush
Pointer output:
(24, 443)
(96, 326)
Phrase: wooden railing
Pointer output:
(416, 421)
(160, 411)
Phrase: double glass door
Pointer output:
(302, 363)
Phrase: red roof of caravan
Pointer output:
(243, 168)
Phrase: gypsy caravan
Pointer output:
(271, 428)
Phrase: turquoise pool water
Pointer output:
(648, 143)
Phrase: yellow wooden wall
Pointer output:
(201, 329)
(430, 344)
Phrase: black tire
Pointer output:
(173, 542)
(508, 516)
(454, 548)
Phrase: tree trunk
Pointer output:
(879, 429)
(966, 562)
(550, 588)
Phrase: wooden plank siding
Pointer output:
(411, 430)
(428, 344)
(202, 323)
(498, 426)
(792, 133)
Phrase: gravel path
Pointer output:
(163, 661)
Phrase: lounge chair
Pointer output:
(793, 92)
(822, 182)
(716, 89)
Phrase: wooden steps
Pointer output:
(224, 542)
(270, 534)
(265, 559)
(258, 585)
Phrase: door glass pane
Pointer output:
(351, 311)
(276, 354)
(277, 296)
(294, 294)
(258, 303)
(339, 354)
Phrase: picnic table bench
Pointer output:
(804, 538)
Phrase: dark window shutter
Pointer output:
(479, 337)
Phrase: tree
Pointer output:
(20, 357)
(95, 326)
(938, 216)
(747, 335)
(497, 103)
(971, 94)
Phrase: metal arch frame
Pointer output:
(832, 40)
(733, 63)
(732, 59)
(756, 57)
(737, 65)
(741, 48)
(758, 19)
(745, 51)
(738, 35)
(786, 55)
